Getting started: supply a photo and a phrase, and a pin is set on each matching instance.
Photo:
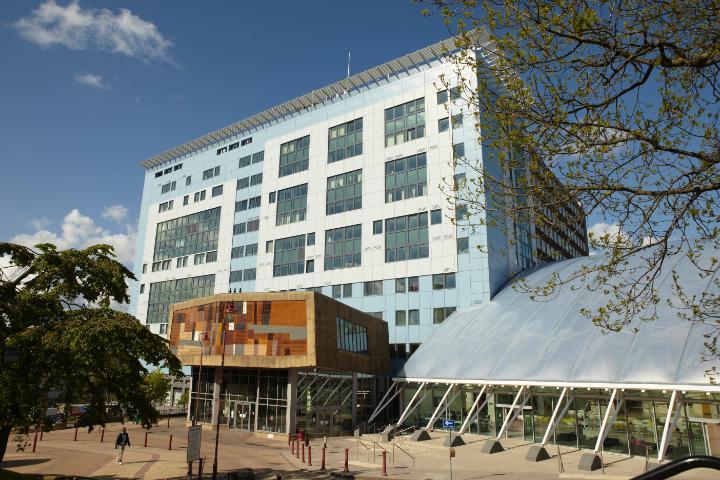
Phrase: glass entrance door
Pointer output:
(244, 418)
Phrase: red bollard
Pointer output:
(322, 464)
(297, 450)
(289, 438)
(41, 433)
(292, 447)
(146, 434)
(384, 464)
(75, 440)
(347, 450)
(170, 445)
(310, 455)
(102, 436)
(35, 441)
(303, 452)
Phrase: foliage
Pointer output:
(56, 317)
(156, 386)
(619, 102)
(183, 400)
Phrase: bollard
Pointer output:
(347, 450)
(289, 438)
(170, 444)
(297, 450)
(322, 463)
(303, 452)
(309, 455)
(35, 440)
(292, 447)
(102, 435)
(146, 434)
(200, 467)
(41, 433)
(384, 463)
(168, 424)
(75, 435)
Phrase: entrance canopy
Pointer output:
(516, 340)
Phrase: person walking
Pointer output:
(122, 441)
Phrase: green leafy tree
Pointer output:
(620, 102)
(183, 400)
(156, 386)
(59, 333)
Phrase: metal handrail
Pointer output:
(364, 446)
(404, 451)
(680, 465)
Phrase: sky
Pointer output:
(89, 89)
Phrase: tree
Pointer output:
(183, 400)
(156, 387)
(619, 102)
(58, 333)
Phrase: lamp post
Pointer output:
(228, 309)
(204, 340)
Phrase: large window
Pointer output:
(344, 192)
(294, 156)
(291, 205)
(164, 294)
(442, 281)
(405, 122)
(406, 237)
(351, 337)
(211, 172)
(440, 314)
(373, 288)
(187, 235)
(343, 247)
(289, 256)
(345, 141)
(406, 178)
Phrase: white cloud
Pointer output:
(602, 230)
(80, 231)
(78, 29)
(117, 213)
(95, 81)
(40, 223)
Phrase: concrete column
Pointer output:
(354, 399)
(291, 401)
(216, 396)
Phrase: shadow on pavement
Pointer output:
(23, 462)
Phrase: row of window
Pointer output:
(190, 234)
(168, 187)
(168, 170)
(249, 226)
(163, 294)
(244, 250)
(248, 204)
(412, 317)
(165, 206)
(246, 161)
(250, 181)
(351, 336)
(211, 172)
(242, 275)
(233, 146)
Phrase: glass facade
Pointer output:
(163, 294)
(345, 141)
(294, 156)
(406, 237)
(406, 178)
(289, 256)
(405, 122)
(344, 192)
(187, 235)
(351, 337)
(343, 247)
(291, 205)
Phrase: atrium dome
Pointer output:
(516, 340)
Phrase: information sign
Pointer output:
(193, 447)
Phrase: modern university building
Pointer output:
(339, 192)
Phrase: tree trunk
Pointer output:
(4, 437)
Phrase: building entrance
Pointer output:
(325, 421)
(244, 416)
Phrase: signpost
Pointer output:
(193, 446)
(450, 425)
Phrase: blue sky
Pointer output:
(88, 91)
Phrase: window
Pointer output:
(442, 96)
(413, 284)
(400, 318)
(237, 252)
(373, 288)
(181, 262)
(443, 281)
(168, 187)
(291, 205)
(249, 274)
(254, 202)
(398, 351)
(238, 228)
(310, 266)
(233, 146)
(246, 141)
(443, 125)
(378, 315)
(211, 172)
(271, 197)
(199, 196)
(460, 212)
(165, 206)
(289, 256)
(211, 257)
(244, 162)
(188, 181)
(400, 285)
(347, 290)
(455, 92)
(259, 156)
(163, 294)
(337, 291)
(241, 205)
(406, 238)
(457, 121)
(343, 247)
(344, 192)
(345, 141)
(168, 170)
(235, 276)
(199, 259)
(142, 288)
(351, 336)
(144, 268)
(435, 217)
(413, 317)
(253, 225)
(251, 250)
(377, 227)
(311, 238)
(405, 122)
(158, 174)
(268, 246)
(243, 183)
(406, 178)
(459, 181)
(187, 235)
(256, 179)
(186, 200)
(163, 328)
(458, 150)
(294, 156)
(463, 245)
(217, 190)
(440, 314)
(221, 150)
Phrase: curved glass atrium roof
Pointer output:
(519, 341)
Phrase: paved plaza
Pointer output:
(59, 454)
